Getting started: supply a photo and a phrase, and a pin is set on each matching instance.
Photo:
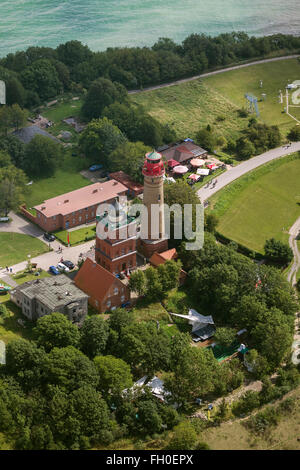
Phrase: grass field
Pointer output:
(233, 435)
(263, 204)
(15, 247)
(76, 236)
(23, 276)
(189, 106)
(66, 178)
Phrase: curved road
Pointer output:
(209, 74)
(235, 172)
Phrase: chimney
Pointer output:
(67, 200)
(95, 191)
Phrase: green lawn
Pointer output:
(189, 106)
(24, 276)
(66, 178)
(263, 204)
(15, 247)
(63, 110)
(77, 236)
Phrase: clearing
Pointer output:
(189, 106)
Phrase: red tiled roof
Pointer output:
(126, 180)
(81, 198)
(95, 280)
(160, 258)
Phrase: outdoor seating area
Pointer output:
(194, 171)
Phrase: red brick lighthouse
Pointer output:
(153, 199)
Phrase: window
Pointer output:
(116, 291)
(96, 303)
(122, 298)
(80, 219)
(108, 304)
(74, 221)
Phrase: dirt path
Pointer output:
(216, 72)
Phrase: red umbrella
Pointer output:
(194, 177)
(172, 163)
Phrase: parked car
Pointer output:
(69, 264)
(95, 167)
(62, 267)
(54, 270)
(49, 237)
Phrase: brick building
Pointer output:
(77, 207)
(106, 292)
(116, 252)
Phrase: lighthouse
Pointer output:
(153, 172)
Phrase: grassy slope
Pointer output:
(66, 178)
(15, 247)
(265, 206)
(234, 436)
(189, 106)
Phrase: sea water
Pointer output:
(109, 23)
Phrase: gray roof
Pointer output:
(28, 133)
(52, 292)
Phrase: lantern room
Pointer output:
(153, 165)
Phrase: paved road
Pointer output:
(53, 257)
(216, 72)
(205, 193)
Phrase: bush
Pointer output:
(249, 402)
(260, 423)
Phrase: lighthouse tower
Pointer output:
(153, 171)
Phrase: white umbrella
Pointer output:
(180, 169)
(203, 171)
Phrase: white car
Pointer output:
(62, 267)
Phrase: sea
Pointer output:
(111, 23)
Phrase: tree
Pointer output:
(184, 437)
(70, 369)
(73, 52)
(129, 157)
(273, 326)
(42, 156)
(210, 222)
(5, 119)
(137, 282)
(12, 188)
(294, 134)
(278, 251)
(89, 410)
(15, 92)
(15, 148)
(56, 330)
(193, 375)
(169, 273)
(99, 139)
(18, 116)
(102, 93)
(145, 348)
(244, 148)
(42, 78)
(148, 417)
(114, 375)
(225, 336)
(94, 336)
(207, 139)
(25, 361)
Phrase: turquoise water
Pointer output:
(104, 23)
